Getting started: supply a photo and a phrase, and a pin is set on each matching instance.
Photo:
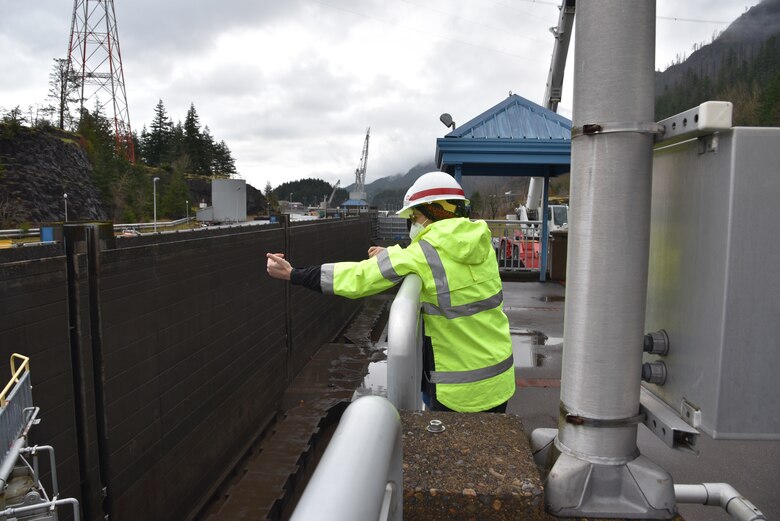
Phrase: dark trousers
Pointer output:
(434, 405)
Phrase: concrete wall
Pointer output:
(178, 355)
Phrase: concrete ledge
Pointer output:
(479, 467)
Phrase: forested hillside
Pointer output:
(39, 163)
(741, 65)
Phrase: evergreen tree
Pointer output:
(64, 88)
(173, 203)
(270, 196)
(223, 164)
(100, 145)
(155, 146)
(193, 141)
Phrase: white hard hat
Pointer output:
(433, 186)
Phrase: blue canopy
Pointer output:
(516, 137)
(354, 202)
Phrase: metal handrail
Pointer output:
(359, 476)
(16, 374)
(404, 346)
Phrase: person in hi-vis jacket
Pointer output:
(467, 350)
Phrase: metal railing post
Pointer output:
(404, 347)
(359, 476)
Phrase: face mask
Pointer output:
(416, 228)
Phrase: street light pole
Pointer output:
(154, 195)
(65, 198)
(187, 208)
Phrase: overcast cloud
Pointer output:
(291, 85)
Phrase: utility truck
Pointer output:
(520, 246)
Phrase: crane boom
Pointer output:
(360, 172)
(554, 90)
(562, 34)
(335, 187)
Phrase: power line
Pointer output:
(430, 34)
(672, 18)
(694, 20)
(473, 22)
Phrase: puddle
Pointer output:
(536, 355)
(534, 352)
(375, 382)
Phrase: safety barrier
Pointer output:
(359, 476)
(404, 346)
(518, 244)
(15, 403)
(17, 416)
(392, 227)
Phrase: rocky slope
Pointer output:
(39, 166)
(36, 168)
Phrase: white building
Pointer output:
(228, 202)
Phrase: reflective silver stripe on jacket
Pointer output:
(326, 278)
(437, 270)
(464, 310)
(474, 375)
(386, 267)
(445, 306)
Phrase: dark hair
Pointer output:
(435, 212)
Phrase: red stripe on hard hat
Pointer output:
(437, 191)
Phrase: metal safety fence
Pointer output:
(518, 244)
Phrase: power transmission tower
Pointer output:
(94, 55)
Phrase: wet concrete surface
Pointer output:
(751, 467)
(271, 480)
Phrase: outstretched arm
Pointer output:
(279, 268)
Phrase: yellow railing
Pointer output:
(16, 374)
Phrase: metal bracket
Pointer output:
(664, 422)
(708, 144)
(576, 419)
(707, 118)
(611, 128)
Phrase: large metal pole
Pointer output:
(600, 472)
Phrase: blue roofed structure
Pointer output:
(515, 137)
(351, 203)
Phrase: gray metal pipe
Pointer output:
(721, 495)
(359, 477)
(42, 507)
(52, 463)
(599, 471)
(606, 281)
(404, 347)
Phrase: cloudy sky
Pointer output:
(291, 85)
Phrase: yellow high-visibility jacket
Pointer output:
(461, 305)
